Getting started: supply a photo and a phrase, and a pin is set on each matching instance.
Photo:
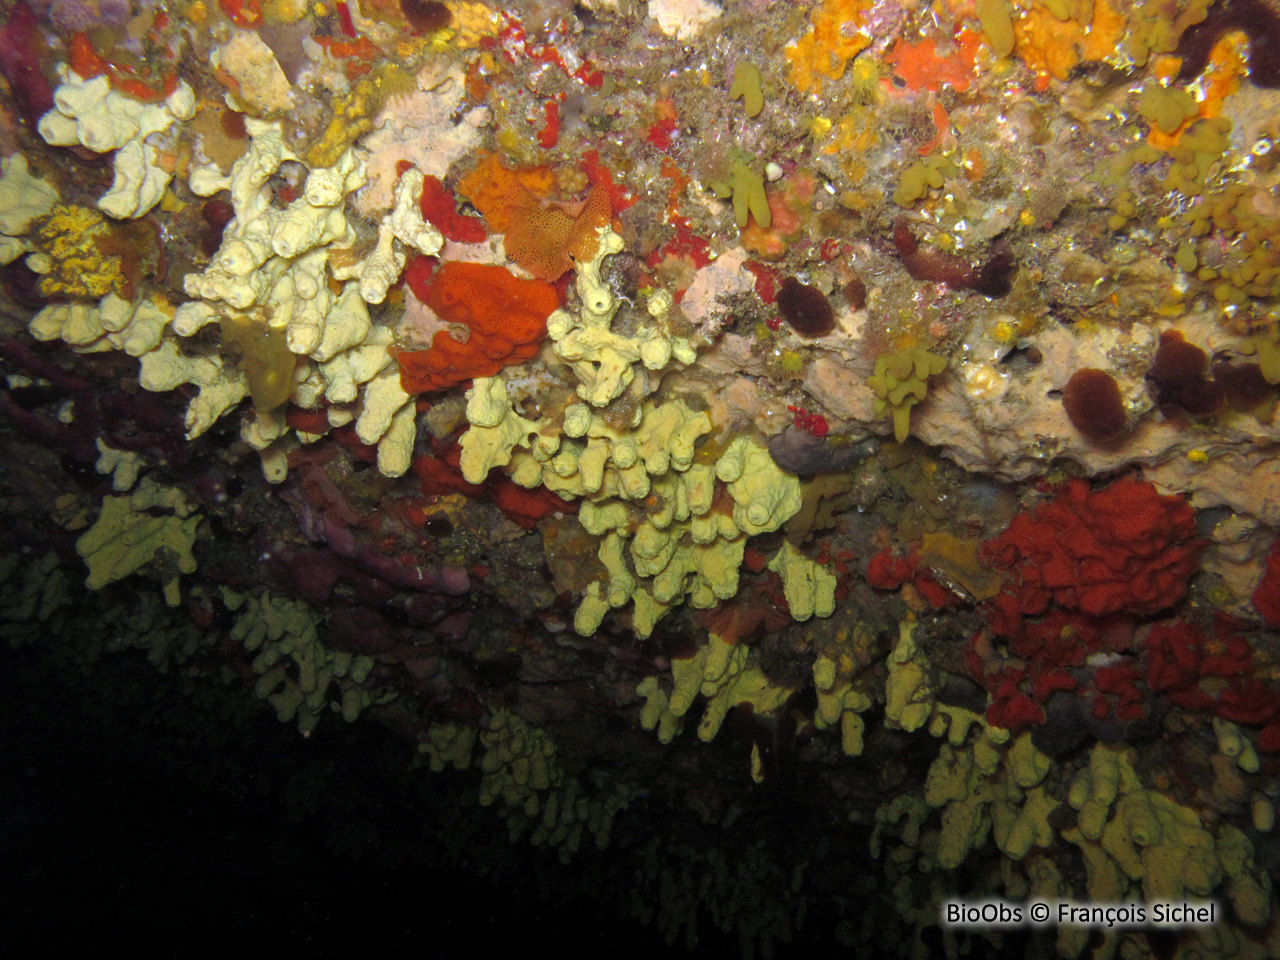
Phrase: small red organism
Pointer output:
(1119, 680)
(1173, 656)
(549, 135)
(831, 248)
(84, 59)
(441, 474)
(855, 293)
(418, 274)
(685, 244)
(885, 571)
(1046, 684)
(233, 125)
(661, 130)
(1249, 701)
(814, 424)
(766, 280)
(589, 75)
(314, 422)
(244, 13)
(216, 213)
(598, 175)
(942, 128)
(1269, 738)
(344, 18)
(440, 209)
(360, 54)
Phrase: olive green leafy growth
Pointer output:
(921, 176)
(1185, 257)
(1268, 350)
(746, 84)
(1166, 107)
(1199, 147)
(126, 538)
(747, 189)
(900, 381)
(997, 24)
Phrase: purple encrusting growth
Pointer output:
(73, 16)
(805, 455)
(992, 276)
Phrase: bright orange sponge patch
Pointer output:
(507, 318)
(543, 236)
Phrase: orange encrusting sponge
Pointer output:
(507, 318)
(543, 236)
(546, 240)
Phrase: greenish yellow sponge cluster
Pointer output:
(746, 84)
(520, 769)
(839, 704)
(1199, 148)
(127, 536)
(1267, 349)
(644, 494)
(923, 175)
(748, 895)
(1136, 844)
(606, 363)
(901, 380)
(679, 543)
(981, 789)
(908, 692)
(147, 625)
(1244, 253)
(563, 816)
(295, 670)
(1167, 108)
(33, 594)
(37, 606)
(746, 187)
(1128, 835)
(720, 672)
(448, 744)
(519, 760)
(584, 455)
(810, 588)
